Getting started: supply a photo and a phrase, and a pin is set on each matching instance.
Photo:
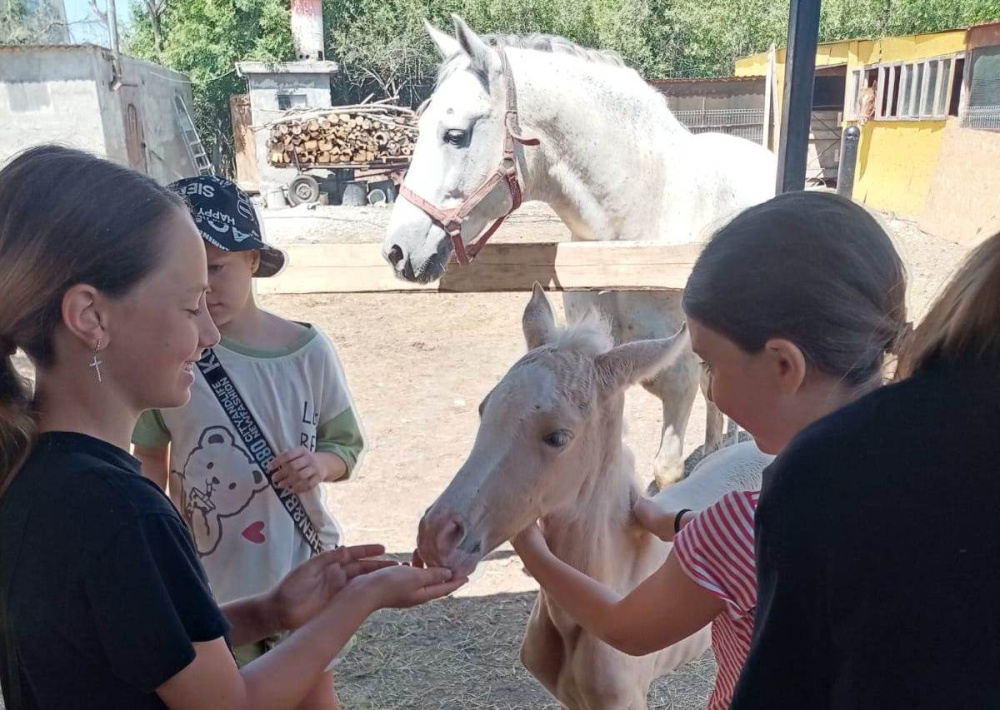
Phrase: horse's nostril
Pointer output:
(395, 255)
(452, 535)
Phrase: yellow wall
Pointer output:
(897, 160)
(896, 164)
(908, 49)
(855, 53)
(756, 64)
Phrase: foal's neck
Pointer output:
(596, 533)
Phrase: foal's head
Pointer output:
(547, 433)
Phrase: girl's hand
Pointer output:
(310, 587)
(297, 470)
(654, 519)
(530, 541)
(404, 586)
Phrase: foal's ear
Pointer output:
(539, 320)
(471, 43)
(447, 46)
(640, 361)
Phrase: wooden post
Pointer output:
(769, 94)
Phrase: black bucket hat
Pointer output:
(226, 218)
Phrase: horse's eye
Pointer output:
(455, 138)
(557, 439)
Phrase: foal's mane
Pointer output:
(589, 335)
(551, 44)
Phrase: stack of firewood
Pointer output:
(344, 135)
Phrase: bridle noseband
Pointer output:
(451, 220)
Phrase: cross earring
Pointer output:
(96, 364)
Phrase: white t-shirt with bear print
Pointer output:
(244, 535)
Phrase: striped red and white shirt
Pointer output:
(716, 551)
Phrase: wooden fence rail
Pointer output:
(558, 266)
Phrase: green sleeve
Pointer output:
(151, 431)
(342, 436)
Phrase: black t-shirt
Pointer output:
(104, 591)
(878, 555)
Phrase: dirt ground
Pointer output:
(418, 365)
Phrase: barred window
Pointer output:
(983, 110)
(924, 90)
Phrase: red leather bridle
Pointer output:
(451, 220)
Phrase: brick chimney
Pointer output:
(307, 29)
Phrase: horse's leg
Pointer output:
(542, 650)
(607, 679)
(676, 387)
(714, 419)
(642, 315)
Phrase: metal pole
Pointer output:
(848, 160)
(768, 98)
(113, 27)
(796, 108)
(116, 61)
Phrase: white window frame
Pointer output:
(912, 106)
(854, 93)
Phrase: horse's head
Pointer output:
(460, 145)
(551, 426)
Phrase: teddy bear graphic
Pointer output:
(229, 480)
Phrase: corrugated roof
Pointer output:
(705, 80)
(60, 47)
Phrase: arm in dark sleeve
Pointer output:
(151, 601)
(788, 663)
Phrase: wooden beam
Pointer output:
(558, 266)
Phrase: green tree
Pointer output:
(383, 48)
(24, 24)
(204, 39)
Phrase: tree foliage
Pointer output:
(383, 49)
(204, 39)
(22, 22)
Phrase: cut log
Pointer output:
(347, 135)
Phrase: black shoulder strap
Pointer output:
(253, 438)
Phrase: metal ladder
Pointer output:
(196, 151)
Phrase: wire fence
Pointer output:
(742, 122)
(982, 117)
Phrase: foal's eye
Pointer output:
(455, 137)
(557, 439)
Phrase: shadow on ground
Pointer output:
(462, 654)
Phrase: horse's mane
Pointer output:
(553, 44)
(589, 335)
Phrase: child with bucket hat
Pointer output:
(270, 420)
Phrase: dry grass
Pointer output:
(462, 653)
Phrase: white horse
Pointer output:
(612, 161)
(550, 447)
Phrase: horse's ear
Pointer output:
(539, 320)
(640, 361)
(447, 46)
(472, 44)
